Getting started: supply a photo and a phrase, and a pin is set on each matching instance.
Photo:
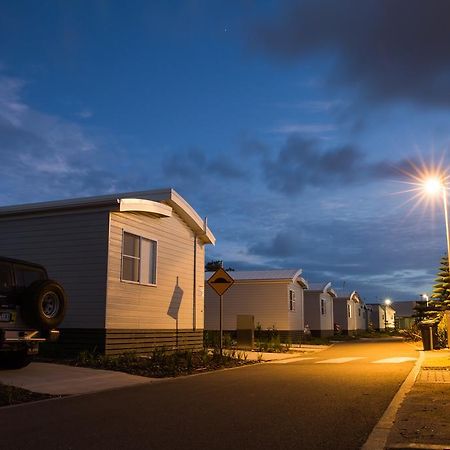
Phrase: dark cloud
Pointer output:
(391, 49)
(302, 162)
(370, 257)
(195, 164)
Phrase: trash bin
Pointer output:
(429, 335)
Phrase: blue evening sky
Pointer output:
(289, 124)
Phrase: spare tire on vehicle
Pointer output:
(44, 305)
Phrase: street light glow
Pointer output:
(432, 185)
(387, 302)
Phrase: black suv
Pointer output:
(31, 307)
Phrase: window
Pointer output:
(291, 300)
(359, 312)
(138, 259)
(349, 310)
(25, 276)
(323, 307)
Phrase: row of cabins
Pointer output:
(133, 267)
(283, 300)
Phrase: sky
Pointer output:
(295, 127)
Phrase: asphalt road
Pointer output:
(331, 401)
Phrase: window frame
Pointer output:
(291, 300)
(323, 306)
(153, 262)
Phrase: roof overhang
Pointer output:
(132, 201)
(148, 206)
(355, 297)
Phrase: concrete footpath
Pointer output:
(422, 420)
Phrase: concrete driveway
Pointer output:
(59, 379)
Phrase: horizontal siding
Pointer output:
(313, 314)
(146, 341)
(267, 302)
(73, 248)
(134, 306)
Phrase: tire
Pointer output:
(44, 305)
(14, 359)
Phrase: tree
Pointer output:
(440, 298)
(212, 266)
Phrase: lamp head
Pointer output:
(433, 185)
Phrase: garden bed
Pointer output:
(159, 364)
(10, 395)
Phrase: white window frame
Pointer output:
(291, 299)
(349, 310)
(153, 262)
(323, 307)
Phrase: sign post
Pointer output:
(220, 281)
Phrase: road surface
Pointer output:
(328, 400)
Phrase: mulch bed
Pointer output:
(10, 395)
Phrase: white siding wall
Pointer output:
(73, 248)
(295, 318)
(340, 313)
(313, 312)
(268, 302)
(327, 319)
(133, 306)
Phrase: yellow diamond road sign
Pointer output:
(220, 281)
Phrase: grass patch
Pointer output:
(10, 395)
(160, 363)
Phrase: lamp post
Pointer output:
(435, 186)
(387, 302)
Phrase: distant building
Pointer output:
(350, 312)
(270, 298)
(405, 314)
(382, 316)
(319, 309)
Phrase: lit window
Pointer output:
(291, 300)
(349, 310)
(138, 259)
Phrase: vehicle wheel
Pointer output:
(14, 360)
(44, 305)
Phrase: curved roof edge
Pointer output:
(112, 202)
(148, 206)
(355, 296)
(300, 279)
(324, 288)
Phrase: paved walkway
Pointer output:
(58, 379)
(423, 420)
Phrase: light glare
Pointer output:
(432, 186)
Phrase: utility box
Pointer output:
(245, 326)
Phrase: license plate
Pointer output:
(6, 316)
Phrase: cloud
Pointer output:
(304, 128)
(304, 162)
(301, 162)
(194, 165)
(44, 156)
(367, 253)
(391, 50)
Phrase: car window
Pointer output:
(5, 277)
(28, 275)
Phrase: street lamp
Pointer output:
(387, 302)
(434, 186)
